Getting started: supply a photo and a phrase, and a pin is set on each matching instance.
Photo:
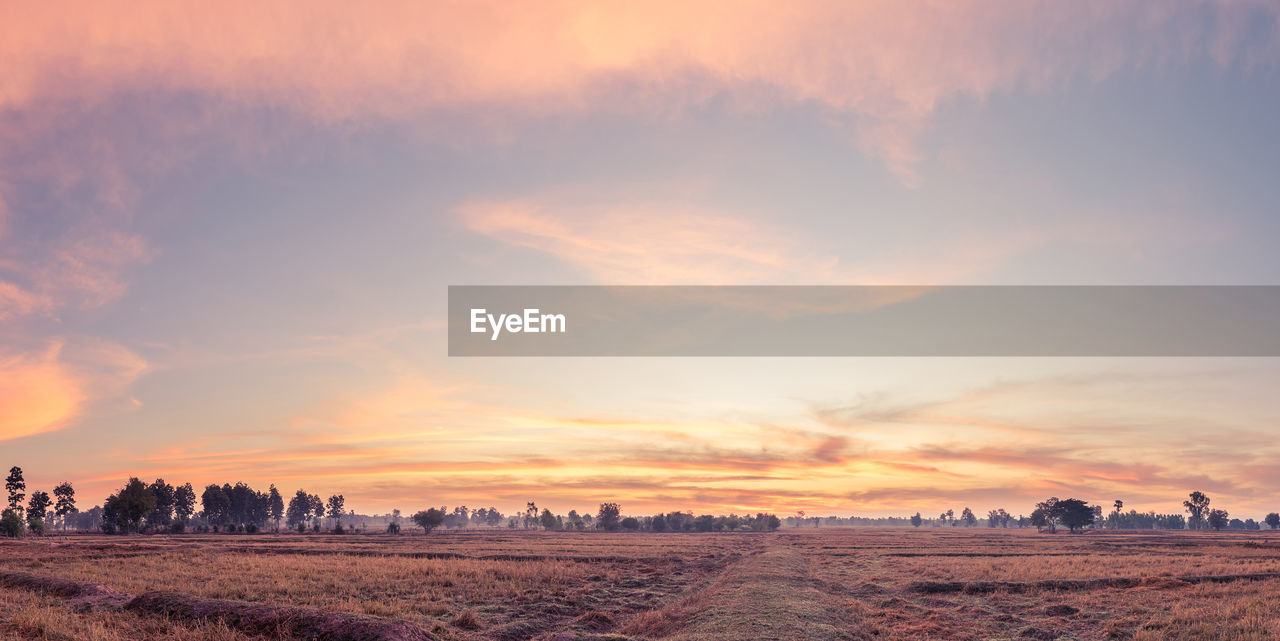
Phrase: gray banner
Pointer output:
(864, 321)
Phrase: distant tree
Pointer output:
(11, 523)
(1217, 519)
(275, 505)
(607, 518)
(1046, 514)
(1075, 514)
(950, 517)
(630, 523)
(429, 519)
(772, 522)
(66, 502)
(916, 520)
(1115, 523)
(16, 487)
(548, 520)
(162, 514)
(704, 523)
(968, 517)
(36, 509)
(1196, 504)
(299, 511)
(125, 510)
(216, 504)
(317, 508)
(335, 509)
(1272, 520)
(530, 514)
(658, 523)
(184, 503)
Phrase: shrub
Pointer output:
(11, 524)
(630, 523)
(177, 527)
(302, 528)
(36, 525)
(251, 528)
(337, 529)
(393, 528)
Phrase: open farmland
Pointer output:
(932, 583)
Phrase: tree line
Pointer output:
(161, 507)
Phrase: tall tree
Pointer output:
(299, 511)
(335, 509)
(1217, 519)
(317, 508)
(162, 514)
(184, 502)
(66, 502)
(126, 509)
(968, 517)
(36, 509)
(16, 487)
(1272, 520)
(217, 505)
(275, 505)
(916, 520)
(1196, 504)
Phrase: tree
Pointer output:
(530, 515)
(429, 519)
(1196, 504)
(1046, 514)
(335, 510)
(216, 504)
(607, 518)
(548, 520)
(11, 523)
(39, 504)
(1217, 519)
(162, 514)
(630, 523)
(1119, 506)
(1272, 520)
(66, 503)
(126, 509)
(317, 508)
(916, 520)
(968, 517)
(950, 517)
(275, 505)
(299, 511)
(1075, 514)
(184, 503)
(16, 487)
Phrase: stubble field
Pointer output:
(932, 583)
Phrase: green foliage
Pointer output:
(608, 516)
(11, 523)
(16, 487)
(36, 526)
(1217, 519)
(429, 519)
(125, 510)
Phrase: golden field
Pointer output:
(931, 583)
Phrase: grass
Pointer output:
(794, 584)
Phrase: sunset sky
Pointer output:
(227, 230)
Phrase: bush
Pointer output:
(11, 524)
(316, 527)
(393, 528)
(37, 526)
(177, 527)
(251, 528)
(302, 528)
(630, 523)
(337, 529)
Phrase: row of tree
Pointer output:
(159, 506)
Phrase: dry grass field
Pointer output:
(932, 583)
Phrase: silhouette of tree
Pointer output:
(1196, 504)
(607, 518)
(184, 502)
(66, 502)
(16, 487)
(162, 514)
(36, 509)
(429, 519)
(1217, 519)
(916, 520)
(1272, 520)
(275, 505)
(968, 517)
(336, 502)
(216, 504)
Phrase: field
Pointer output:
(932, 583)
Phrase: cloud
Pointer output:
(884, 67)
(47, 390)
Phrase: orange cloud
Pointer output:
(37, 394)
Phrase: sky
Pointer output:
(227, 232)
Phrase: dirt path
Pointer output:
(768, 595)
